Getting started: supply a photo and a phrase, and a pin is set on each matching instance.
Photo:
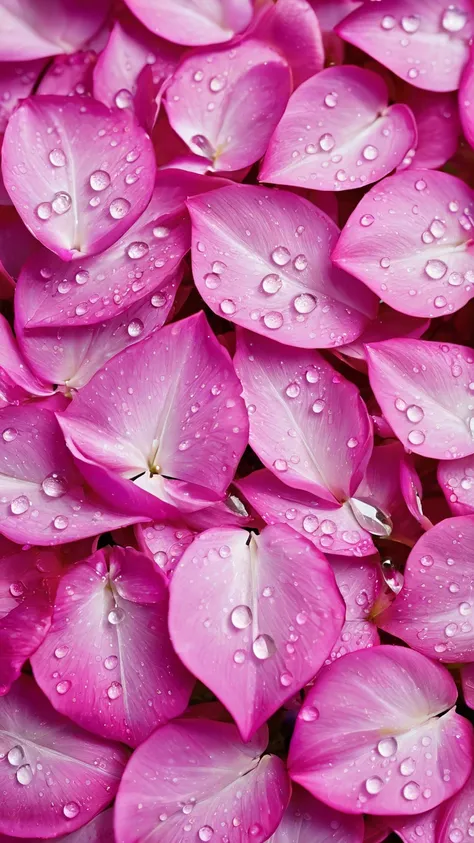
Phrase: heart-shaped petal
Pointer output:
(361, 748)
(307, 820)
(75, 187)
(43, 752)
(193, 22)
(261, 259)
(337, 133)
(263, 612)
(243, 795)
(409, 241)
(425, 391)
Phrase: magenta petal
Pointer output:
(388, 325)
(45, 752)
(409, 241)
(437, 122)
(417, 829)
(292, 27)
(248, 87)
(69, 75)
(361, 748)
(166, 543)
(28, 580)
(306, 820)
(426, 45)
(433, 611)
(261, 259)
(31, 30)
(467, 680)
(73, 187)
(113, 606)
(253, 620)
(424, 393)
(194, 23)
(17, 80)
(14, 367)
(455, 816)
(466, 95)
(292, 397)
(243, 796)
(342, 132)
(43, 497)
(456, 478)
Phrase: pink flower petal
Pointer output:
(466, 95)
(243, 796)
(359, 583)
(43, 497)
(98, 830)
(136, 266)
(166, 543)
(31, 30)
(342, 132)
(53, 177)
(456, 479)
(354, 635)
(168, 407)
(275, 277)
(423, 390)
(69, 75)
(28, 580)
(454, 817)
(408, 240)
(16, 242)
(193, 22)
(17, 80)
(437, 122)
(292, 397)
(426, 45)
(417, 829)
(412, 491)
(388, 325)
(46, 753)
(109, 643)
(332, 528)
(361, 748)
(14, 367)
(225, 104)
(306, 820)
(467, 679)
(253, 620)
(433, 611)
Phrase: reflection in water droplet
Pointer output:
(137, 250)
(205, 833)
(71, 810)
(411, 791)
(271, 284)
(273, 320)
(115, 616)
(387, 747)
(119, 208)
(414, 414)
(305, 303)
(370, 517)
(374, 785)
(61, 203)
(228, 307)
(24, 775)
(435, 269)
(15, 756)
(241, 617)
(123, 98)
(280, 256)
(99, 180)
(57, 158)
(54, 486)
(19, 505)
(263, 647)
(454, 19)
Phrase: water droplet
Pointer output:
(300, 262)
(99, 180)
(374, 785)
(82, 277)
(71, 810)
(387, 747)
(263, 647)
(239, 656)
(137, 250)
(217, 83)
(292, 390)
(407, 766)
(456, 835)
(228, 307)
(61, 203)
(435, 269)
(17, 589)
(388, 22)
(19, 505)
(57, 158)
(308, 713)
(330, 100)
(115, 616)
(450, 630)
(370, 153)
(366, 220)
(119, 208)
(203, 145)
(352, 442)
(305, 303)
(24, 775)
(63, 686)
(326, 142)
(271, 284)
(416, 437)
(158, 300)
(273, 320)
(9, 434)
(15, 756)
(318, 406)
(123, 98)
(280, 465)
(455, 279)
(44, 210)
(453, 19)
(411, 791)
(54, 486)
(414, 413)
(198, 76)
(114, 691)
(280, 256)
(440, 301)
(437, 228)
(241, 617)
(410, 23)
(370, 517)
(420, 184)
(161, 232)
(385, 263)
(60, 522)
(341, 175)
(135, 328)
(286, 679)
(81, 309)
(61, 652)
(426, 561)
(205, 833)
(465, 609)
(310, 523)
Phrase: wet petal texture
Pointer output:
(65, 164)
(433, 612)
(168, 409)
(466, 97)
(264, 615)
(137, 266)
(31, 30)
(261, 259)
(44, 500)
(44, 752)
(409, 240)
(306, 820)
(362, 749)
(427, 46)
(438, 126)
(17, 80)
(291, 396)
(226, 104)
(425, 391)
(115, 606)
(337, 133)
(28, 580)
(457, 483)
(455, 816)
(291, 26)
(176, 768)
(194, 22)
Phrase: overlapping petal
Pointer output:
(292, 27)
(69, 75)
(456, 479)
(194, 22)
(306, 820)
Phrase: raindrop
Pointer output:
(119, 208)
(24, 774)
(465, 609)
(312, 375)
(305, 303)
(318, 406)
(63, 686)
(71, 810)
(81, 309)
(60, 522)
(420, 184)
(161, 232)
(54, 486)
(280, 465)
(137, 250)
(205, 833)
(263, 647)
(61, 203)
(300, 262)
(9, 434)
(414, 413)
(82, 277)
(435, 269)
(352, 442)
(228, 307)
(217, 83)
(410, 23)
(198, 76)
(308, 713)
(280, 256)
(286, 679)
(370, 152)
(330, 100)
(450, 630)
(310, 523)
(158, 300)
(271, 284)
(427, 561)
(273, 320)
(388, 22)
(385, 263)
(326, 142)
(370, 517)
(241, 617)
(416, 437)
(15, 756)
(292, 390)
(114, 691)
(61, 652)
(407, 766)
(99, 180)
(366, 220)
(115, 616)
(255, 830)
(123, 98)
(454, 19)
(440, 301)
(19, 505)
(437, 228)
(239, 656)
(411, 791)
(44, 210)
(17, 589)
(374, 785)
(387, 747)
(135, 328)
(57, 158)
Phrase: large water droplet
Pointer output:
(326, 142)
(60, 522)
(228, 307)
(71, 810)
(370, 517)
(63, 686)
(24, 775)
(300, 262)
(263, 647)
(57, 158)
(44, 210)
(241, 617)
(435, 269)
(370, 153)
(411, 791)
(305, 303)
(410, 23)
(387, 747)
(273, 320)
(115, 616)
(205, 833)
(330, 100)
(366, 220)
(308, 713)
(239, 656)
(414, 413)
(61, 203)
(61, 652)
(416, 437)
(99, 180)
(388, 22)
(286, 679)
(135, 328)
(318, 406)
(19, 505)
(437, 228)
(374, 785)
(15, 756)
(407, 766)
(454, 19)
(292, 390)
(9, 434)
(54, 486)
(271, 284)
(203, 145)
(137, 250)
(217, 83)
(17, 589)
(310, 524)
(119, 208)
(280, 256)
(114, 691)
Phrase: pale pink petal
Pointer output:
(28, 580)
(467, 680)
(230, 512)
(409, 241)
(69, 75)
(456, 479)
(359, 583)
(17, 80)
(72, 185)
(424, 391)
(247, 86)
(193, 22)
(306, 820)
(437, 122)
(455, 816)
(292, 27)
(98, 830)
(130, 48)
(417, 829)
(293, 397)
(378, 734)
(332, 528)
(31, 30)
(253, 620)
(43, 497)
(433, 611)
(274, 275)
(14, 368)
(466, 97)
(168, 407)
(109, 646)
(412, 491)
(88, 291)
(426, 45)
(342, 132)
(354, 635)
(44, 752)
(388, 325)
